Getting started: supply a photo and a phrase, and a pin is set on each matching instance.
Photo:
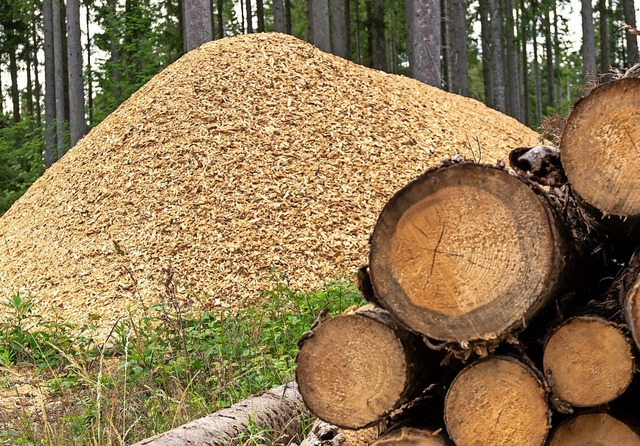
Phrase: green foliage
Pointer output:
(160, 368)
(21, 148)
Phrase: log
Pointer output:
(325, 434)
(355, 368)
(468, 252)
(588, 362)
(409, 436)
(600, 151)
(278, 413)
(593, 429)
(497, 401)
(630, 296)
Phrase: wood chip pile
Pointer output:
(248, 154)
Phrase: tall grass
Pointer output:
(159, 369)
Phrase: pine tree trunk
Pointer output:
(15, 92)
(457, 47)
(588, 43)
(338, 42)
(588, 362)
(605, 53)
(260, 15)
(319, 27)
(249, 16)
(49, 85)
(354, 384)
(468, 252)
(89, 69)
(600, 153)
(423, 36)
(497, 62)
(548, 44)
(524, 66)
(593, 428)
(629, 10)
(498, 401)
(278, 413)
(377, 26)
(36, 74)
(77, 125)
(513, 97)
(59, 79)
(485, 34)
(197, 23)
(278, 16)
(536, 66)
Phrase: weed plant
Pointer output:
(157, 370)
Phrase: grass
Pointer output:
(160, 369)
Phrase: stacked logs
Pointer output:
(504, 302)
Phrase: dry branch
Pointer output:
(277, 414)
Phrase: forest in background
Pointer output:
(65, 66)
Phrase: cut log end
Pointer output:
(601, 148)
(588, 361)
(631, 308)
(594, 429)
(408, 436)
(498, 402)
(354, 370)
(465, 252)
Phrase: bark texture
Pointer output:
(197, 23)
(77, 126)
(424, 39)
(279, 412)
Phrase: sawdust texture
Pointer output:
(249, 154)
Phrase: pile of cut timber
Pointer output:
(249, 154)
(504, 302)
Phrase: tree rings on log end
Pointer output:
(409, 436)
(498, 402)
(354, 370)
(588, 362)
(466, 252)
(598, 429)
(600, 148)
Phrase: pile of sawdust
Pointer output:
(248, 154)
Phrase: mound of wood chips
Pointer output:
(250, 154)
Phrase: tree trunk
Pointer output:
(49, 85)
(319, 32)
(89, 69)
(221, 22)
(15, 92)
(455, 275)
(593, 428)
(499, 402)
(629, 10)
(485, 35)
(197, 23)
(36, 73)
(410, 436)
(513, 97)
(457, 52)
(77, 125)
(578, 372)
(524, 66)
(249, 16)
(377, 26)
(536, 65)
(354, 384)
(423, 36)
(600, 152)
(278, 16)
(114, 48)
(260, 15)
(497, 56)
(548, 44)
(605, 53)
(287, 16)
(338, 42)
(588, 44)
(29, 95)
(277, 412)
(59, 78)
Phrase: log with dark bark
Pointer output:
(468, 252)
(278, 412)
(588, 362)
(409, 436)
(498, 401)
(593, 429)
(600, 152)
(355, 368)
(630, 297)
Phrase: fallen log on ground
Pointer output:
(468, 252)
(276, 414)
(355, 368)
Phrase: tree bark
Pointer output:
(278, 16)
(249, 16)
(548, 44)
(89, 70)
(457, 52)
(338, 42)
(629, 11)
(600, 153)
(59, 79)
(319, 27)
(423, 37)
(513, 97)
(197, 23)
(354, 384)
(36, 74)
(260, 15)
(605, 52)
(578, 371)
(77, 125)
(279, 412)
(49, 85)
(593, 428)
(485, 36)
(468, 252)
(486, 404)
(497, 62)
(377, 26)
(15, 92)
(588, 43)
(524, 66)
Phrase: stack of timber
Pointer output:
(503, 300)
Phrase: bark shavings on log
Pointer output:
(355, 368)
(498, 401)
(593, 429)
(588, 362)
(467, 252)
(278, 412)
(601, 149)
